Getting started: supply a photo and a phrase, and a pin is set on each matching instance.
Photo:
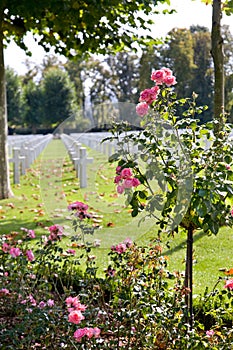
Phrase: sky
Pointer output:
(189, 13)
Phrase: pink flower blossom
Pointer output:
(142, 109)
(6, 247)
(232, 211)
(128, 183)
(71, 251)
(135, 182)
(167, 71)
(88, 331)
(126, 173)
(31, 234)
(80, 206)
(229, 284)
(117, 179)
(119, 248)
(79, 334)
(170, 80)
(50, 302)
(42, 304)
(158, 76)
(15, 252)
(128, 242)
(110, 272)
(149, 95)
(73, 303)
(4, 291)
(96, 332)
(210, 333)
(30, 255)
(118, 169)
(75, 317)
(56, 232)
(163, 76)
(32, 300)
(120, 189)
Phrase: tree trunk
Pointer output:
(218, 58)
(5, 190)
(189, 276)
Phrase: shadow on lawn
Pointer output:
(182, 245)
(15, 225)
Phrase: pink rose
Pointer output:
(31, 234)
(119, 248)
(170, 80)
(5, 247)
(128, 242)
(210, 333)
(4, 291)
(80, 206)
(96, 332)
(74, 304)
(126, 173)
(89, 332)
(32, 300)
(135, 182)
(14, 252)
(76, 317)
(41, 304)
(30, 255)
(149, 95)
(167, 71)
(79, 334)
(128, 183)
(118, 169)
(158, 76)
(71, 251)
(56, 232)
(117, 179)
(50, 302)
(229, 284)
(120, 189)
(142, 109)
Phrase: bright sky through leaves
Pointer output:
(189, 13)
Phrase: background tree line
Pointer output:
(47, 95)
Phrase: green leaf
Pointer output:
(214, 227)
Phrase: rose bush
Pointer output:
(183, 169)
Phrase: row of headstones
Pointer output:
(79, 157)
(23, 152)
(94, 141)
(108, 147)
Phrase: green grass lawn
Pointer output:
(50, 185)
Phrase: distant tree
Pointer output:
(59, 99)
(33, 106)
(15, 103)
(179, 56)
(151, 58)
(203, 74)
(228, 71)
(78, 72)
(124, 67)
